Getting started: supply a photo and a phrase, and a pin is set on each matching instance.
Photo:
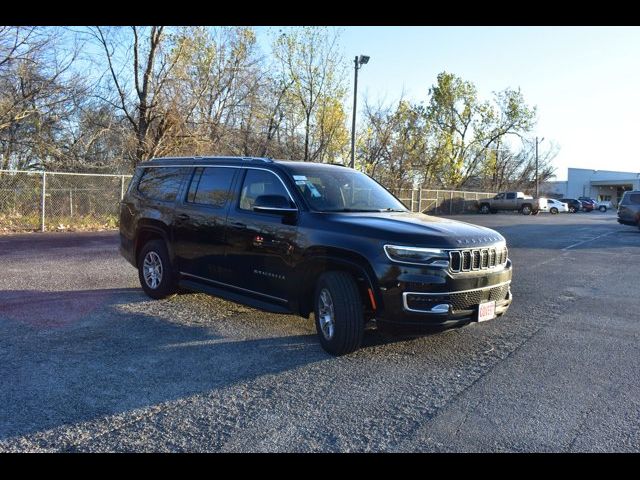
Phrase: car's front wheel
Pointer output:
(602, 208)
(554, 210)
(338, 313)
(155, 272)
(572, 209)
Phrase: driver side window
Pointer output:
(257, 183)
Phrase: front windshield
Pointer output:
(343, 190)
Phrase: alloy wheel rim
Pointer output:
(152, 270)
(326, 315)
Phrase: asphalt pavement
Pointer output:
(89, 363)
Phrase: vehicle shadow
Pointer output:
(74, 356)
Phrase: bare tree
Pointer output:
(139, 69)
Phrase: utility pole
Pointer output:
(537, 142)
(353, 123)
(358, 62)
(536, 167)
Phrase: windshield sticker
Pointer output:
(314, 191)
(300, 177)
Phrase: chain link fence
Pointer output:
(49, 201)
(53, 201)
(441, 202)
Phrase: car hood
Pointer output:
(417, 229)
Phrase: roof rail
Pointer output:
(257, 159)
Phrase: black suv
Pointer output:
(295, 237)
(573, 204)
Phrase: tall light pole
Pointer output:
(358, 61)
(537, 163)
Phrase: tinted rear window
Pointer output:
(161, 183)
(211, 186)
(631, 199)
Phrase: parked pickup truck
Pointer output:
(518, 201)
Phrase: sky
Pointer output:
(583, 80)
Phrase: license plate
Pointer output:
(486, 311)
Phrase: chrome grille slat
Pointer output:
(472, 260)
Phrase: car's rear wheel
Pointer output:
(157, 278)
(602, 208)
(526, 210)
(484, 208)
(572, 209)
(338, 312)
(554, 210)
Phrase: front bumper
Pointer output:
(418, 298)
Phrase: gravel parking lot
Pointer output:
(89, 363)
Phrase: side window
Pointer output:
(161, 183)
(499, 196)
(511, 196)
(259, 182)
(211, 186)
(634, 199)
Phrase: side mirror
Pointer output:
(274, 204)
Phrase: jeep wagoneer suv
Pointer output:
(302, 238)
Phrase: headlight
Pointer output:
(417, 255)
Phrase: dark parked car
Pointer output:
(294, 237)
(588, 204)
(573, 204)
(629, 208)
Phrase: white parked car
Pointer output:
(553, 206)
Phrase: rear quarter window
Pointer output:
(161, 183)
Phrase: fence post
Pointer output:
(420, 200)
(451, 203)
(71, 202)
(42, 200)
(437, 195)
(121, 187)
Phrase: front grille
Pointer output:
(473, 259)
(458, 301)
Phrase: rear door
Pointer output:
(200, 219)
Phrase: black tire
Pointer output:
(572, 209)
(526, 209)
(348, 316)
(484, 208)
(156, 250)
(554, 210)
(602, 208)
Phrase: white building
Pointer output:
(598, 184)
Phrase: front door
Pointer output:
(200, 221)
(260, 246)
